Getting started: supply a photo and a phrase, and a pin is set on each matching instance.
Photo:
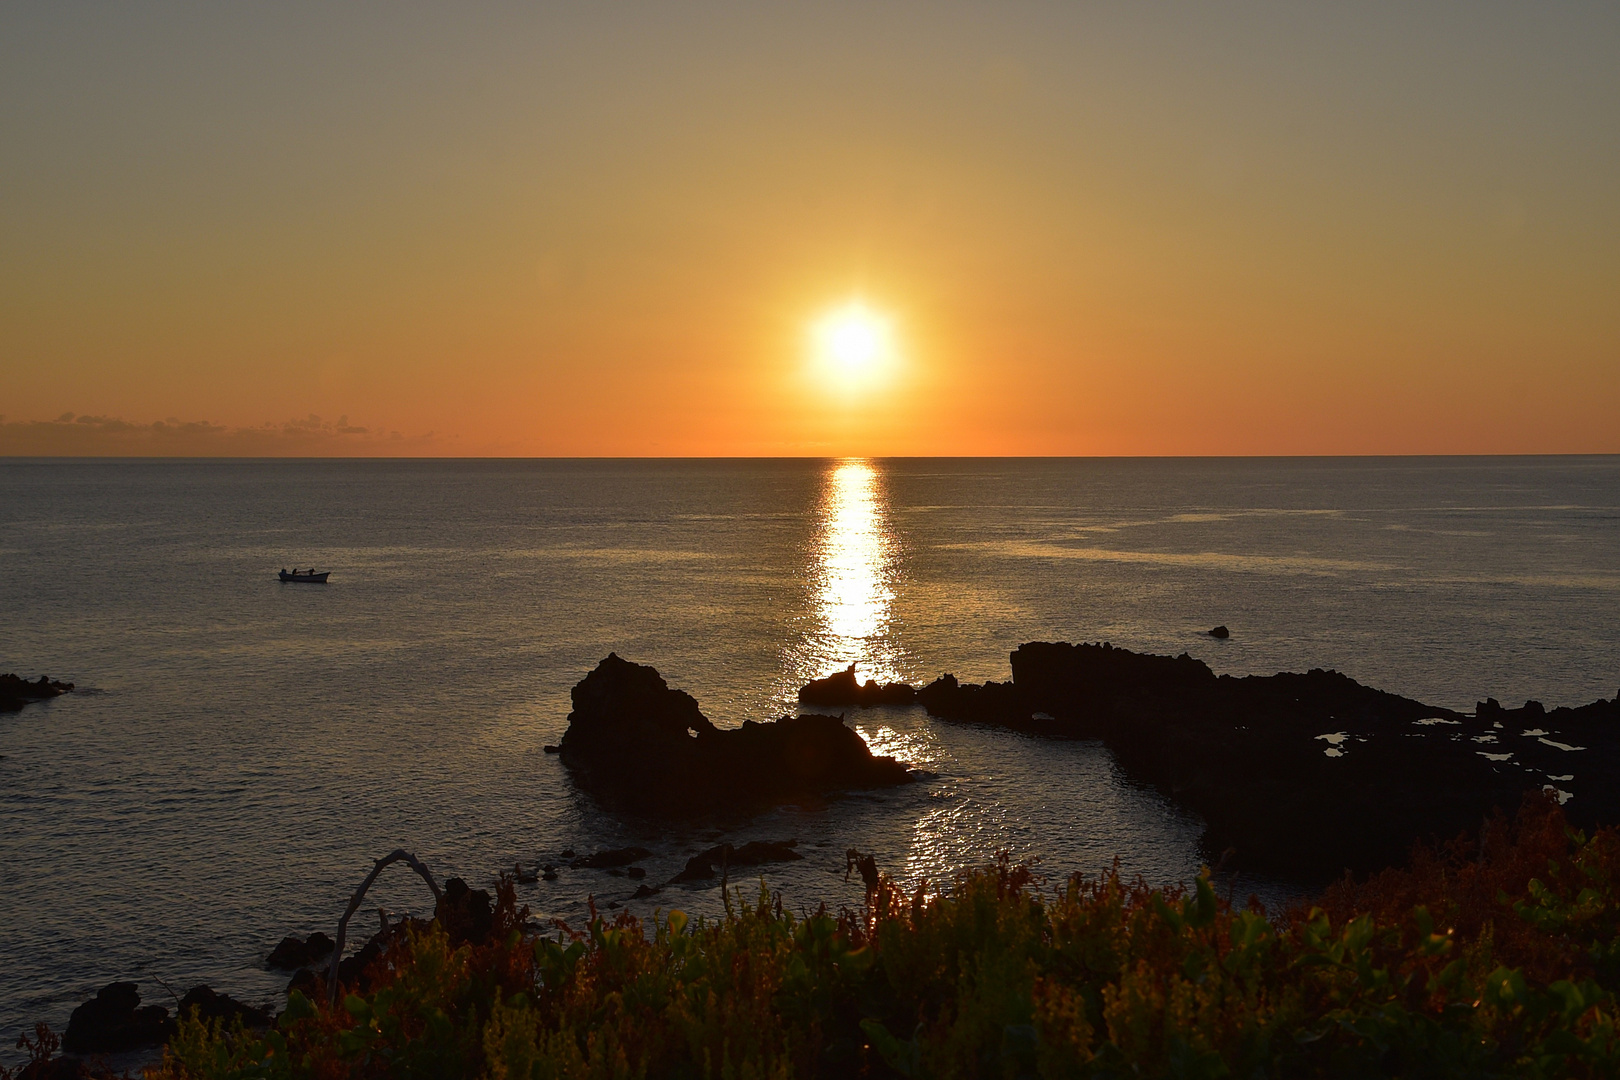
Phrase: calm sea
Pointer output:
(240, 750)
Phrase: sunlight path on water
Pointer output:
(853, 574)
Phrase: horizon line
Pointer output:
(119, 458)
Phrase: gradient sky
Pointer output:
(605, 229)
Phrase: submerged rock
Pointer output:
(1300, 775)
(701, 867)
(604, 860)
(633, 738)
(16, 692)
(115, 1020)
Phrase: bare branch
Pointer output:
(397, 855)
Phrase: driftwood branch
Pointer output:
(397, 855)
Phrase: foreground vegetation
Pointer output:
(1495, 957)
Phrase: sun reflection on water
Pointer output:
(853, 576)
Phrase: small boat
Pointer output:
(306, 577)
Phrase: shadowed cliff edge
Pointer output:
(633, 738)
(1298, 775)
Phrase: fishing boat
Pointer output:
(306, 577)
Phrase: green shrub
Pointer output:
(1496, 958)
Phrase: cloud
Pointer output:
(109, 436)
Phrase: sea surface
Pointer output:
(239, 750)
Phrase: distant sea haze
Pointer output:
(239, 750)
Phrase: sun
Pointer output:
(852, 345)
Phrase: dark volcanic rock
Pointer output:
(1220, 632)
(701, 867)
(352, 969)
(843, 688)
(603, 860)
(632, 737)
(16, 692)
(115, 1020)
(56, 1068)
(467, 915)
(212, 1006)
(306, 982)
(296, 952)
(1302, 775)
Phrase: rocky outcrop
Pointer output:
(604, 860)
(842, 688)
(1301, 775)
(296, 952)
(466, 914)
(702, 867)
(210, 1006)
(16, 692)
(115, 1020)
(632, 738)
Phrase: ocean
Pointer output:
(238, 751)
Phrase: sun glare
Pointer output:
(853, 345)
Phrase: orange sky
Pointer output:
(604, 230)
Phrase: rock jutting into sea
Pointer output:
(843, 688)
(633, 738)
(1298, 775)
(115, 1020)
(16, 692)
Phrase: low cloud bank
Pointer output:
(109, 436)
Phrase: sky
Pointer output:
(614, 229)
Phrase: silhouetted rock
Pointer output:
(702, 867)
(306, 982)
(467, 915)
(16, 692)
(843, 688)
(296, 952)
(352, 969)
(631, 737)
(115, 1020)
(57, 1068)
(1302, 775)
(1220, 632)
(603, 860)
(211, 1006)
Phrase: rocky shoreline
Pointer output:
(635, 741)
(1299, 775)
(1304, 776)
